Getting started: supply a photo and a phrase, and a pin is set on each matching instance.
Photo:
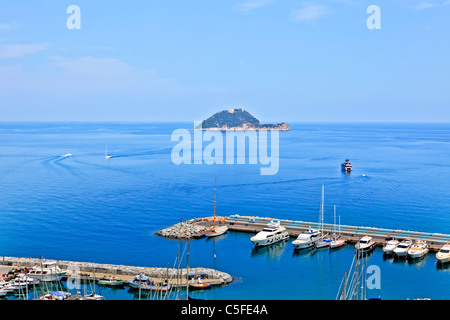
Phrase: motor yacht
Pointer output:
(365, 244)
(391, 244)
(307, 239)
(443, 254)
(403, 247)
(271, 234)
(47, 271)
(346, 166)
(418, 249)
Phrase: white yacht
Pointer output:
(443, 255)
(271, 234)
(307, 239)
(47, 271)
(403, 247)
(418, 249)
(390, 245)
(365, 244)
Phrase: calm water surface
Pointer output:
(87, 208)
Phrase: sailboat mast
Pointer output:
(215, 190)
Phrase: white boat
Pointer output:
(271, 234)
(55, 295)
(113, 281)
(324, 242)
(107, 155)
(143, 282)
(403, 247)
(219, 230)
(325, 239)
(94, 296)
(307, 239)
(26, 279)
(391, 244)
(418, 249)
(443, 254)
(66, 155)
(47, 271)
(347, 166)
(337, 241)
(365, 244)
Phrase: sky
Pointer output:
(178, 60)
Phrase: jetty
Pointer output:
(351, 234)
(92, 272)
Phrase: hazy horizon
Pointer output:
(283, 61)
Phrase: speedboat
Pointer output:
(66, 155)
(307, 239)
(365, 244)
(402, 248)
(271, 234)
(443, 254)
(47, 271)
(418, 249)
(390, 245)
(346, 166)
(113, 281)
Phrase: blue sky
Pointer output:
(178, 60)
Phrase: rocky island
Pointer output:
(238, 119)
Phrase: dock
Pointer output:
(92, 272)
(351, 233)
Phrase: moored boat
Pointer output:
(403, 247)
(216, 230)
(47, 271)
(418, 249)
(143, 282)
(113, 282)
(307, 239)
(391, 244)
(337, 240)
(365, 244)
(443, 255)
(271, 234)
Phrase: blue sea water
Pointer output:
(87, 208)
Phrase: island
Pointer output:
(238, 119)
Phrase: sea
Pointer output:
(87, 208)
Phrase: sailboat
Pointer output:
(325, 241)
(219, 230)
(107, 155)
(337, 241)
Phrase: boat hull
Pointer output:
(270, 241)
(337, 244)
(57, 276)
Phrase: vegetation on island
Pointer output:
(238, 119)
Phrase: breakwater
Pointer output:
(97, 271)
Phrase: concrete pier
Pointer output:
(96, 271)
(351, 233)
